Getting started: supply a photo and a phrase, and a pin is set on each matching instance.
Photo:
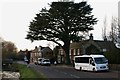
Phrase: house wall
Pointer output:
(61, 56)
(39, 52)
(73, 52)
(80, 48)
(89, 46)
(34, 55)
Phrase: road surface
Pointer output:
(64, 72)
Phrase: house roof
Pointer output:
(101, 44)
(46, 49)
(108, 45)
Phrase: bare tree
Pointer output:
(9, 49)
(118, 40)
(104, 29)
(114, 34)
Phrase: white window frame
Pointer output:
(78, 51)
(70, 52)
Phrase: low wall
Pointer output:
(12, 75)
(114, 67)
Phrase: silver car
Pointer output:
(40, 61)
(45, 62)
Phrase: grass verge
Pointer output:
(28, 73)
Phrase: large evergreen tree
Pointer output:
(62, 21)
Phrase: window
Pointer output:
(74, 52)
(35, 54)
(100, 60)
(70, 52)
(61, 52)
(78, 52)
(82, 59)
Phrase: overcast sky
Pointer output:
(15, 16)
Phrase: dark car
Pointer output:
(7, 62)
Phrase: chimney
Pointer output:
(105, 38)
(91, 36)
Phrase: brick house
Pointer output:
(34, 54)
(89, 46)
(41, 52)
(47, 53)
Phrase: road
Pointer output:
(70, 72)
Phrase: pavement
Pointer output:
(58, 65)
(22, 62)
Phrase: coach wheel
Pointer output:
(80, 68)
(94, 70)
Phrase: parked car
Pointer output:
(6, 62)
(45, 62)
(40, 61)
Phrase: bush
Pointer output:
(113, 58)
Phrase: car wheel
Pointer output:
(94, 70)
(80, 69)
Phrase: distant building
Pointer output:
(47, 53)
(34, 54)
(41, 52)
(89, 46)
(21, 55)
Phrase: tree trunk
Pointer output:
(66, 48)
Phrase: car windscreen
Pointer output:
(40, 59)
(100, 60)
(46, 60)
